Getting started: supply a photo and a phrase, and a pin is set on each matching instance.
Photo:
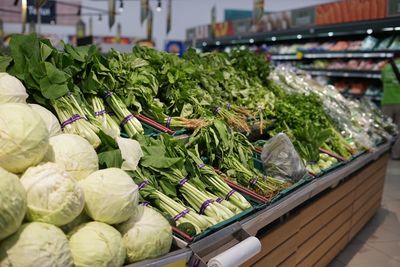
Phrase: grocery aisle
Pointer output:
(378, 243)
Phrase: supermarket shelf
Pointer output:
(284, 57)
(344, 73)
(372, 97)
(311, 32)
(335, 54)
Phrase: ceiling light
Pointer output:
(204, 44)
(158, 9)
(217, 42)
(388, 29)
(369, 31)
(273, 38)
(251, 41)
(330, 34)
(121, 6)
(299, 36)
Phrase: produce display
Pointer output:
(94, 189)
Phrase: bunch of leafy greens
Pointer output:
(303, 119)
(232, 153)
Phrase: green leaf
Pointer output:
(52, 91)
(5, 61)
(110, 159)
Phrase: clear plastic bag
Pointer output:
(281, 159)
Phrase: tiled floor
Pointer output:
(378, 243)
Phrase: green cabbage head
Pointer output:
(11, 89)
(12, 203)
(74, 153)
(36, 244)
(54, 196)
(147, 234)
(111, 196)
(23, 137)
(51, 121)
(96, 244)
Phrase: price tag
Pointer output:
(299, 55)
(179, 263)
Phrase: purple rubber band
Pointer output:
(74, 118)
(181, 214)
(111, 113)
(217, 109)
(145, 203)
(253, 181)
(228, 106)
(183, 181)
(196, 262)
(143, 184)
(201, 165)
(168, 123)
(205, 205)
(126, 119)
(230, 194)
(108, 94)
(99, 113)
(219, 200)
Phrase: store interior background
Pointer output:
(185, 14)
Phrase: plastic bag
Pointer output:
(280, 159)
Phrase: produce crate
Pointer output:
(331, 168)
(256, 206)
(303, 181)
(358, 154)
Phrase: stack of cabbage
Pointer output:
(50, 181)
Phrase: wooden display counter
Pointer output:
(316, 231)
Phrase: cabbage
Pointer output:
(51, 121)
(147, 234)
(54, 196)
(23, 137)
(12, 203)
(11, 89)
(111, 196)
(96, 244)
(36, 244)
(74, 153)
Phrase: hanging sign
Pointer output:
(24, 9)
(47, 11)
(169, 15)
(150, 25)
(80, 29)
(111, 13)
(258, 11)
(119, 30)
(144, 10)
(213, 19)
